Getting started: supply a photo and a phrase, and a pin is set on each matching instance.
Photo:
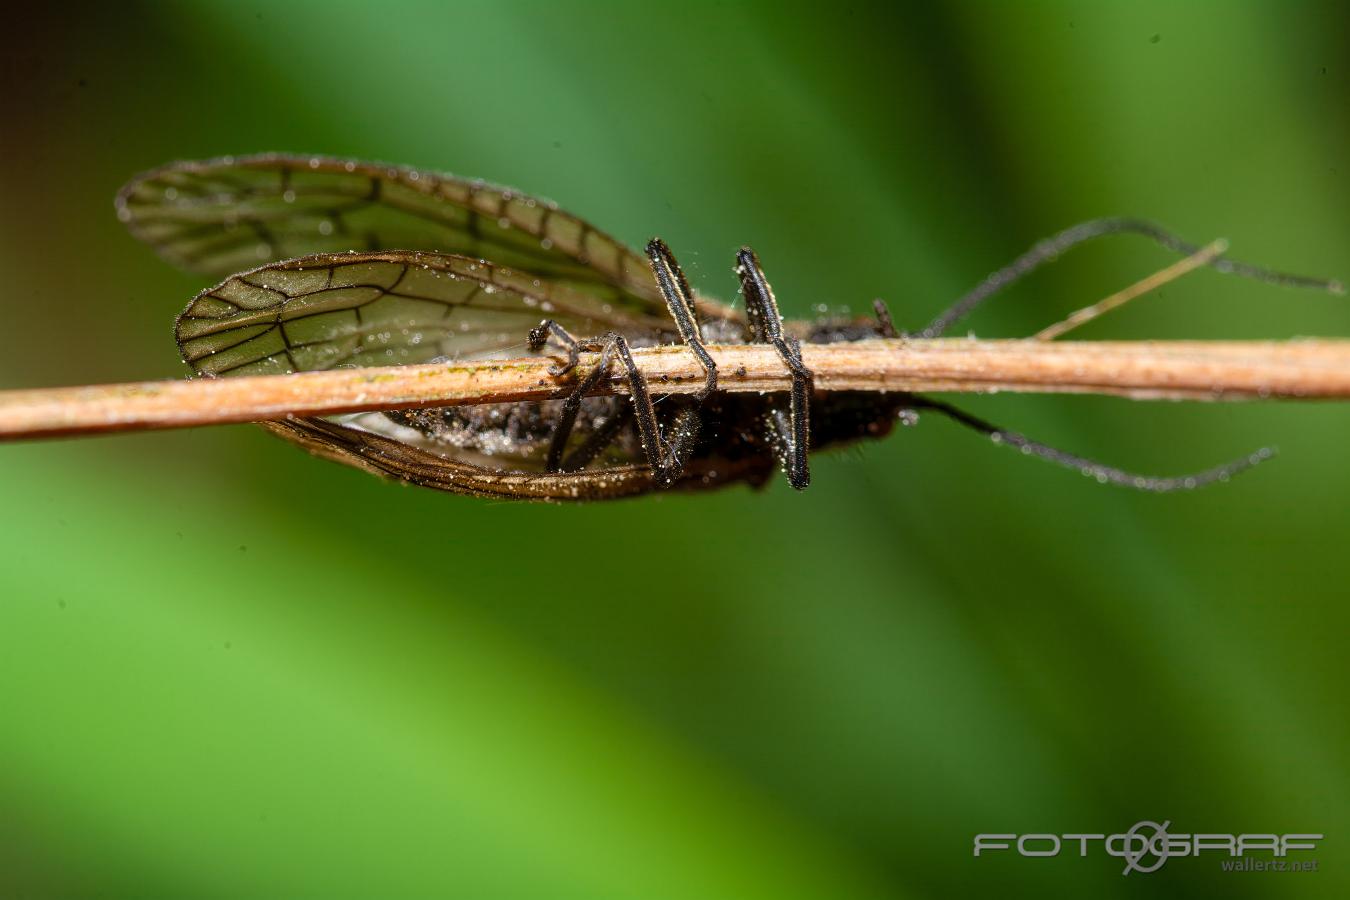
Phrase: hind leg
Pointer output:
(789, 430)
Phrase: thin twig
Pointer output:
(1308, 369)
(1202, 257)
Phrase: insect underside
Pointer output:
(330, 263)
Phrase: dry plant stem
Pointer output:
(1197, 370)
(1202, 257)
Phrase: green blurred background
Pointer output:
(229, 670)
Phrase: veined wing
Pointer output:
(221, 216)
(381, 455)
(387, 308)
(404, 307)
(374, 309)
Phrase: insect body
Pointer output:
(355, 264)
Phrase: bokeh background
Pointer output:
(229, 670)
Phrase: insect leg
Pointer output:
(799, 421)
(667, 459)
(1050, 249)
(620, 416)
(1103, 473)
(791, 432)
(539, 336)
(680, 301)
(572, 405)
(885, 324)
(684, 429)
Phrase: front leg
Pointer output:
(666, 458)
(548, 328)
(567, 418)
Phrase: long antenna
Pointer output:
(1053, 247)
(1203, 257)
(1091, 468)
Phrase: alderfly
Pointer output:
(330, 263)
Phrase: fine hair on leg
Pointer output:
(792, 436)
(546, 329)
(666, 458)
(680, 301)
(599, 440)
(885, 324)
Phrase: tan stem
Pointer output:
(1196, 370)
(1202, 257)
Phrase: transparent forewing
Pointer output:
(221, 216)
(372, 309)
